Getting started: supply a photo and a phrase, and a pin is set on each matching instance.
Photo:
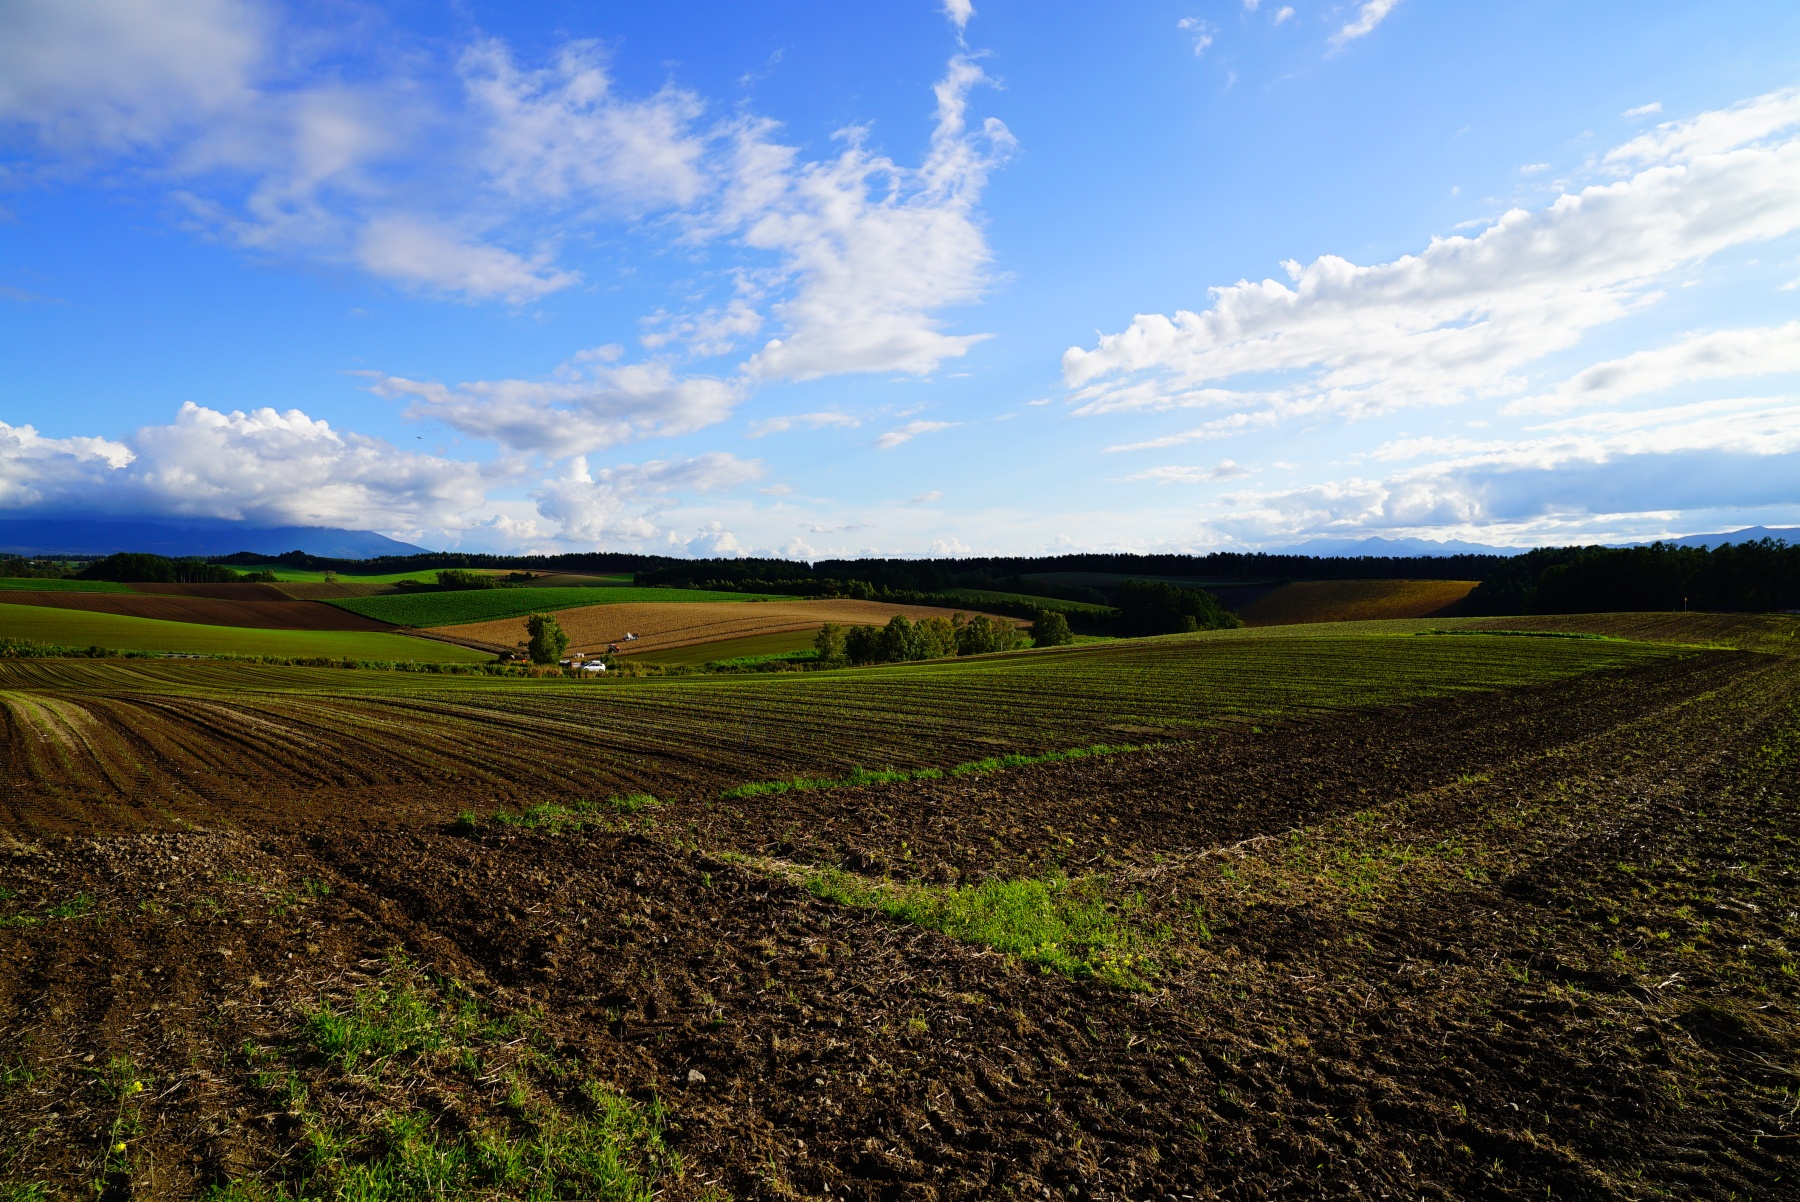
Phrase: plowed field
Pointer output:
(258, 613)
(661, 626)
(1357, 601)
(1423, 917)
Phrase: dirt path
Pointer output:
(1502, 946)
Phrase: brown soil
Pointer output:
(1546, 952)
(303, 590)
(219, 592)
(255, 610)
(664, 625)
(1357, 601)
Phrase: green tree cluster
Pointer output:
(133, 567)
(903, 640)
(548, 641)
(1051, 629)
(458, 579)
(1760, 575)
(1153, 607)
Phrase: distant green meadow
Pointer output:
(79, 628)
(27, 585)
(485, 605)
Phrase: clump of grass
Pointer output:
(1060, 924)
(863, 776)
(554, 818)
(532, 1124)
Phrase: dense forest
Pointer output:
(1761, 576)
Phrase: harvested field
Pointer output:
(259, 613)
(83, 628)
(661, 626)
(1441, 917)
(1357, 601)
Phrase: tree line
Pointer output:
(1750, 576)
(135, 567)
(904, 639)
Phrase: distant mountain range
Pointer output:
(1342, 547)
(199, 536)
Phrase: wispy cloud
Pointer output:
(1225, 469)
(910, 431)
(802, 421)
(1371, 14)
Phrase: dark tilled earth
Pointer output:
(1507, 946)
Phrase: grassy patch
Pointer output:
(1061, 925)
(553, 818)
(862, 776)
(509, 1116)
(26, 584)
(486, 605)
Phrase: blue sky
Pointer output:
(903, 278)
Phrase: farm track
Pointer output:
(1486, 945)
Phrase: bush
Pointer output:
(1051, 629)
(548, 641)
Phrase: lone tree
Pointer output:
(829, 643)
(1050, 629)
(548, 641)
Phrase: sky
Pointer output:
(903, 277)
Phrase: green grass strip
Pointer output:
(887, 776)
(553, 818)
(1060, 924)
(1531, 634)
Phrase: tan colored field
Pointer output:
(662, 625)
(1357, 601)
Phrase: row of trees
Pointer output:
(1755, 576)
(934, 638)
(134, 567)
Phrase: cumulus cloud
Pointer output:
(621, 501)
(1371, 14)
(265, 466)
(582, 407)
(959, 12)
(1225, 469)
(1713, 132)
(1463, 318)
(910, 431)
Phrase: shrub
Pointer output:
(1051, 629)
(548, 641)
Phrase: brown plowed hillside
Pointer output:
(305, 590)
(261, 614)
(219, 592)
(1357, 601)
(661, 625)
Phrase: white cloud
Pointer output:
(1285, 12)
(713, 332)
(1725, 354)
(1642, 110)
(265, 466)
(580, 408)
(1534, 168)
(926, 498)
(910, 431)
(622, 501)
(1461, 319)
(410, 252)
(1199, 30)
(872, 250)
(1371, 14)
(1225, 469)
(714, 541)
(802, 421)
(560, 133)
(112, 75)
(959, 12)
(1713, 132)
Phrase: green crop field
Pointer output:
(482, 605)
(745, 648)
(79, 628)
(26, 585)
